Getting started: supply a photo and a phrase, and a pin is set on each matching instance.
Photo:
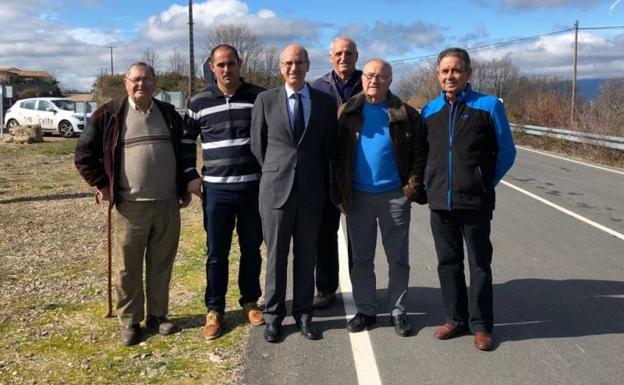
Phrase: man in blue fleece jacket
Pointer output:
(470, 150)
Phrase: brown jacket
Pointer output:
(406, 131)
(97, 151)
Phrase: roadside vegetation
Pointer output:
(53, 287)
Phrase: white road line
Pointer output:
(566, 211)
(361, 347)
(570, 160)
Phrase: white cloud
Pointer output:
(393, 39)
(75, 55)
(599, 56)
(172, 24)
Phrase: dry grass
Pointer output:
(53, 287)
(593, 153)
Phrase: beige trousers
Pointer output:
(144, 231)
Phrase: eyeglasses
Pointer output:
(379, 78)
(290, 63)
(138, 81)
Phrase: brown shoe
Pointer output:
(214, 325)
(448, 330)
(253, 313)
(323, 300)
(483, 341)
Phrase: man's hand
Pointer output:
(195, 187)
(103, 194)
(185, 200)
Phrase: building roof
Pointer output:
(27, 74)
(80, 97)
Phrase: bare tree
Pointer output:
(605, 115)
(264, 70)
(178, 63)
(419, 86)
(496, 76)
(240, 37)
(260, 63)
(151, 57)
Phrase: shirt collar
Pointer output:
(134, 106)
(304, 91)
(352, 78)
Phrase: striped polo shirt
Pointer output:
(223, 122)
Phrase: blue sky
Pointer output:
(68, 38)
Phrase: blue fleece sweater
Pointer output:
(375, 168)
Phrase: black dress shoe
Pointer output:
(273, 332)
(401, 324)
(308, 329)
(131, 334)
(323, 300)
(161, 325)
(360, 321)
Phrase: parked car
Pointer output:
(55, 115)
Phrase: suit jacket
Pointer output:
(286, 164)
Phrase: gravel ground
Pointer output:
(53, 287)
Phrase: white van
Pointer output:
(55, 115)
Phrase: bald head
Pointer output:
(379, 63)
(294, 49)
(294, 65)
(376, 79)
(343, 55)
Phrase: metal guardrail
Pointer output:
(573, 136)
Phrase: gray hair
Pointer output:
(457, 52)
(141, 64)
(347, 39)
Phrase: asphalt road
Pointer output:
(558, 287)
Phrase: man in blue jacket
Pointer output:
(470, 150)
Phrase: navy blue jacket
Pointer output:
(327, 84)
(470, 150)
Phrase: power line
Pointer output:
(492, 45)
(501, 44)
(609, 27)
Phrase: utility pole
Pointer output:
(111, 58)
(573, 107)
(191, 53)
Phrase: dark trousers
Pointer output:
(223, 210)
(450, 230)
(298, 223)
(327, 249)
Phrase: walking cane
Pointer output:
(109, 314)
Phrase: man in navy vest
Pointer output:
(342, 82)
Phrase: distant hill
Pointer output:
(589, 89)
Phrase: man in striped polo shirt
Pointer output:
(221, 113)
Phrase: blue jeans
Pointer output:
(224, 209)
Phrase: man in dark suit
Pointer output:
(292, 130)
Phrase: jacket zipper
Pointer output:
(451, 129)
(481, 179)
